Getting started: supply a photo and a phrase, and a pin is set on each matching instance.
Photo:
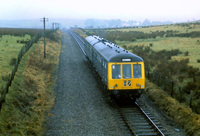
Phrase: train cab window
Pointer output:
(116, 71)
(126, 71)
(137, 73)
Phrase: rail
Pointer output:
(137, 121)
(155, 126)
(78, 40)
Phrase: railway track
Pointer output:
(80, 42)
(137, 121)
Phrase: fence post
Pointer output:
(153, 76)
(180, 93)
(172, 89)
(158, 79)
(165, 84)
(191, 94)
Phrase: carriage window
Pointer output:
(126, 71)
(116, 71)
(137, 73)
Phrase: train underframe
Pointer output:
(131, 93)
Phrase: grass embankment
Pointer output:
(31, 92)
(182, 114)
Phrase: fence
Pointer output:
(170, 86)
(10, 78)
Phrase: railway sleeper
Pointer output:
(155, 120)
(140, 121)
(144, 130)
(141, 124)
(143, 127)
(152, 117)
(147, 134)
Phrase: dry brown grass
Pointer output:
(182, 114)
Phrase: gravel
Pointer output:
(80, 108)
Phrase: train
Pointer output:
(122, 72)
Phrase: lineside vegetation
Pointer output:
(31, 95)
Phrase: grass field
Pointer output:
(9, 49)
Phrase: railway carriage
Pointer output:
(121, 71)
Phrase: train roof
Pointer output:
(112, 52)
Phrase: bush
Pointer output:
(13, 61)
(151, 44)
(198, 42)
(186, 53)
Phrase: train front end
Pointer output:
(126, 77)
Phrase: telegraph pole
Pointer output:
(53, 26)
(56, 25)
(44, 19)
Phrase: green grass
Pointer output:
(9, 48)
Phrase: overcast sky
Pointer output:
(155, 10)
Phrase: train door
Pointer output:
(104, 67)
(127, 76)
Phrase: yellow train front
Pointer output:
(121, 71)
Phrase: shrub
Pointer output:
(186, 53)
(24, 42)
(13, 61)
(151, 44)
(181, 78)
(198, 42)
